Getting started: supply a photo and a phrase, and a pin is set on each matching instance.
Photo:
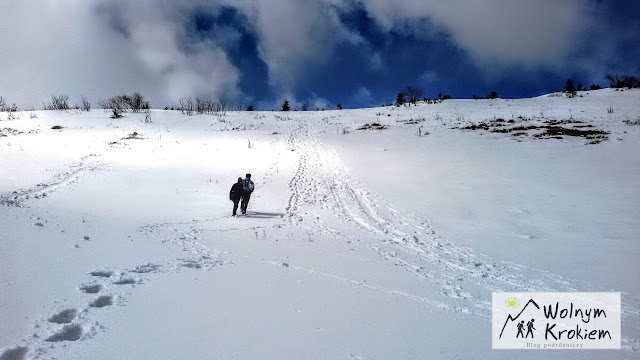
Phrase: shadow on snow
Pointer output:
(263, 215)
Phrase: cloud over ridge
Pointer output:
(169, 49)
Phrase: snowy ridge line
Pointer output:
(322, 181)
(87, 163)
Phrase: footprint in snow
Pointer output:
(64, 317)
(67, 333)
(17, 353)
(145, 269)
(102, 301)
(191, 264)
(126, 281)
(90, 288)
(101, 273)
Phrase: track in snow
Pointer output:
(87, 164)
(322, 188)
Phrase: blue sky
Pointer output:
(358, 53)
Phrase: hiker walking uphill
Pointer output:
(236, 194)
(247, 189)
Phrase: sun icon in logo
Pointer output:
(512, 303)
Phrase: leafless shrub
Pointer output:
(86, 104)
(413, 94)
(207, 106)
(58, 102)
(137, 102)
(112, 103)
(622, 81)
(201, 105)
(117, 113)
(219, 106)
(115, 104)
(123, 103)
(5, 107)
(9, 109)
(186, 105)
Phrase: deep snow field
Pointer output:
(116, 240)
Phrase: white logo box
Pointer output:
(556, 320)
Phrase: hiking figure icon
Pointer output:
(520, 327)
(530, 328)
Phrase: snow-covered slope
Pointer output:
(372, 234)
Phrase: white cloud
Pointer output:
(429, 77)
(523, 31)
(101, 48)
(362, 96)
(320, 103)
(296, 35)
(376, 62)
(78, 48)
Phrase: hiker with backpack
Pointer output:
(236, 194)
(247, 189)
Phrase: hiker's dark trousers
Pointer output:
(245, 202)
(235, 205)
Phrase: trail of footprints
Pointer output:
(104, 288)
(72, 321)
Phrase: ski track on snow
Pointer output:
(322, 184)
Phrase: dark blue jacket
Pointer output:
(247, 186)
